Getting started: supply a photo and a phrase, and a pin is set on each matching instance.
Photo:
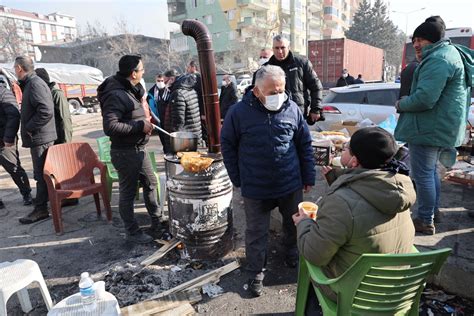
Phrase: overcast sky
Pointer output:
(150, 17)
(455, 13)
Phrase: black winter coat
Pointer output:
(227, 98)
(184, 106)
(300, 77)
(342, 82)
(123, 115)
(37, 112)
(406, 78)
(9, 117)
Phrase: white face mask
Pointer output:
(224, 83)
(160, 85)
(275, 101)
(261, 61)
(344, 75)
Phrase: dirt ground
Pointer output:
(90, 244)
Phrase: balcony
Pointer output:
(253, 22)
(315, 5)
(177, 10)
(257, 5)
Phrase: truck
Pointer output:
(330, 56)
(78, 82)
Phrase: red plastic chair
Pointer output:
(69, 173)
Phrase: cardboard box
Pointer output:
(349, 126)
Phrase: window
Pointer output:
(43, 37)
(55, 37)
(53, 28)
(231, 14)
(351, 97)
(67, 30)
(331, 10)
(29, 37)
(208, 19)
(42, 27)
(27, 24)
(382, 97)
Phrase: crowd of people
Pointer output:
(266, 146)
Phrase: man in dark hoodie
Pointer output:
(125, 122)
(366, 209)
(38, 131)
(184, 106)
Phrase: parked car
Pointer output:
(355, 103)
(243, 84)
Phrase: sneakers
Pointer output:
(27, 199)
(139, 238)
(1, 204)
(36, 215)
(426, 229)
(256, 287)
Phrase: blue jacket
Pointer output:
(267, 154)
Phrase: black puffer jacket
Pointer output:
(122, 112)
(9, 116)
(184, 106)
(300, 76)
(37, 112)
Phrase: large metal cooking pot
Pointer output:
(180, 141)
(183, 141)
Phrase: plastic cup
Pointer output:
(309, 208)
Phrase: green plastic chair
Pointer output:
(103, 144)
(376, 284)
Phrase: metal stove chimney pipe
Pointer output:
(201, 35)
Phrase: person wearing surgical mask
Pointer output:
(266, 146)
(366, 210)
(265, 55)
(158, 100)
(345, 79)
(228, 96)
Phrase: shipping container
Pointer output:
(330, 56)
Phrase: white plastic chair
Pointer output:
(15, 277)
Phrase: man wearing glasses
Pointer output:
(125, 122)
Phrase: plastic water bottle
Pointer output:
(86, 287)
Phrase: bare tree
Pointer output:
(12, 44)
(92, 31)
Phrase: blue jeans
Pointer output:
(423, 160)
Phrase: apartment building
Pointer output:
(338, 17)
(35, 28)
(247, 25)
